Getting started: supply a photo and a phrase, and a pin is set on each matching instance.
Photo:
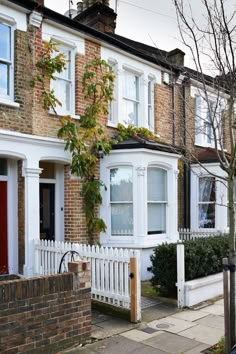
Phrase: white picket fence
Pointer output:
(189, 234)
(110, 269)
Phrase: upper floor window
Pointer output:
(206, 202)
(63, 85)
(6, 61)
(208, 121)
(156, 200)
(121, 201)
(131, 98)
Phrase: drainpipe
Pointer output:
(173, 112)
(186, 167)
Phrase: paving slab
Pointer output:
(98, 317)
(111, 327)
(171, 324)
(171, 343)
(118, 345)
(140, 336)
(212, 321)
(203, 334)
(219, 302)
(159, 311)
(198, 349)
(190, 315)
(214, 310)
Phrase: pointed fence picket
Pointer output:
(110, 268)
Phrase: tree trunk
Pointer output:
(232, 258)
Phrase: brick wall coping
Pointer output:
(21, 289)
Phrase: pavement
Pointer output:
(164, 329)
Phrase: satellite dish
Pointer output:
(71, 13)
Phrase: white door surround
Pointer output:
(31, 149)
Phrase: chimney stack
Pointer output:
(96, 14)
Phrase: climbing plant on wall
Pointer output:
(89, 139)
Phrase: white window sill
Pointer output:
(61, 114)
(111, 124)
(9, 103)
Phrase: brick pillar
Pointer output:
(81, 274)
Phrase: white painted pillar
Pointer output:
(31, 216)
(172, 219)
(180, 275)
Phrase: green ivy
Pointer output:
(90, 139)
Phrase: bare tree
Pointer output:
(213, 41)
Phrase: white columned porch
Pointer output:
(31, 216)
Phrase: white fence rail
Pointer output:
(110, 269)
(189, 234)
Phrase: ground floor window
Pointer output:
(121, 201)
(207, 202)
(156, 200)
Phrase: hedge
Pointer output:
(203, 257)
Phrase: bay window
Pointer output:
(6, 61)
(131, 98)
(121, 201)
(207, 202)
(63, 85)
(156, 200)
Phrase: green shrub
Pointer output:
(203, 257)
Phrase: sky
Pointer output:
(151, 21)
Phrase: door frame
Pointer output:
(12, 215)
(59, 199)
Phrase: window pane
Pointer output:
(62, 90)
(121, 184)
(131, 112)
(130, 86)
(66, 73)
(207, 189)
(156, 218)
(207, 215)
(4, 79)
(5, 42)
(122, 219)
(157, 179)
(3, 167)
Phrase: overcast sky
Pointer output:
(151, 21)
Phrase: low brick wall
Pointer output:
(43, 315)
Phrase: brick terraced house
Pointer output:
(39, 198)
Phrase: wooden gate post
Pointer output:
(135, 289)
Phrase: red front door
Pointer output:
(3, 228)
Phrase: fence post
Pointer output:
(135, 298)
(226, 303)
(180, 275)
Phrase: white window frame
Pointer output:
(202, 121)
(207, 202)
(113, 105)
(119, 236)
(72, 49)
(150, 103)
(137, 100)
(159, 202)
(9, 99)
